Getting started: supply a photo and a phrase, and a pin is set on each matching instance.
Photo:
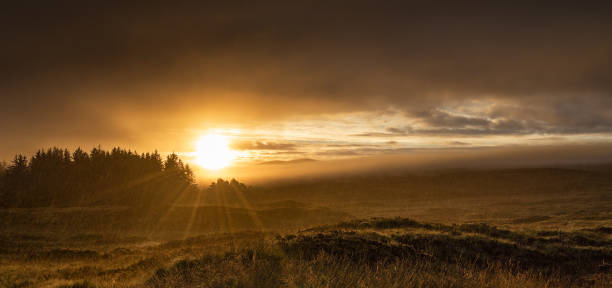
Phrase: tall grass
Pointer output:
(267, 267)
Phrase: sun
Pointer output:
(213, 152)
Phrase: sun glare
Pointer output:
(213, 152)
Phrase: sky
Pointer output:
(287, 80)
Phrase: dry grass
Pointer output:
(365, 253)
(452, 232)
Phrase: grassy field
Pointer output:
(380, 252)
(515, 228)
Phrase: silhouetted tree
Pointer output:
(16, 181)
(2, 180)
(223, 192)
(56, 177)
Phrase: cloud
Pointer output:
(294, 161)
(458, 143)
(141, 74)
(438, 118)
(262, 145)
(571, 117)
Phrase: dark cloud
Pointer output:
(568, 118)
(345, 145)
(262, 145)
(365, 151)
(397, 132)
(394, 130)
(437, 118)
(440, 122)
(114, 71)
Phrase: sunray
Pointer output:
(192, 216)
(111, 191)
(182, 189)
(226, 213)
(250, 211)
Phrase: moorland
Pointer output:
(120, 219)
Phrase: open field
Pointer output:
(506, 228)
(397, 252)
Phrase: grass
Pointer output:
(430, 231)
(377, 252)
(358, 257)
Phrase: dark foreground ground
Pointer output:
(516, 228)
(380, 252)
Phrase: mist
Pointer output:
(420, 160)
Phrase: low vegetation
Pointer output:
(489, 228)
(378, 252)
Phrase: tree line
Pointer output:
(58, 177)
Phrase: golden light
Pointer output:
(213, 152)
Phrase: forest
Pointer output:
(59, 178)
